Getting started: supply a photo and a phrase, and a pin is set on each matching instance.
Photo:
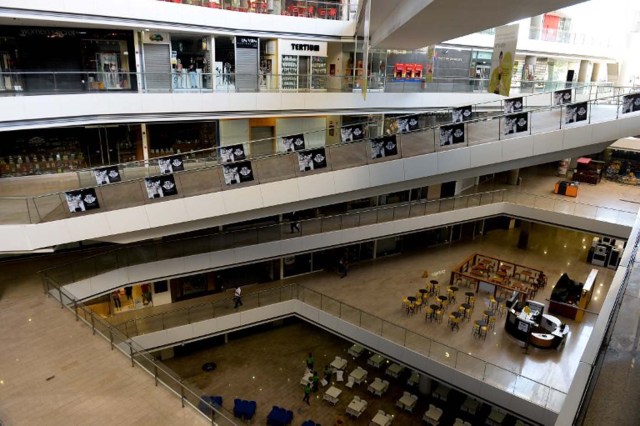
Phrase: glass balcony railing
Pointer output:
(569, 37)
(203, 173)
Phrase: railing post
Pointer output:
(181, 393)
(155, 373)
(75, 308)
(93, 325)
(60, 295)
(131, 354)
(111, 338)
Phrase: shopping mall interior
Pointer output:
(319, 212)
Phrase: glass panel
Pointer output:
(393, 332)
(272, 169)
(348, 155)
(418, 343)
(50, 207)
(443, 354)
(15, 210)
(331, 306)
(417, 143)
(121, 195)
(197, 182)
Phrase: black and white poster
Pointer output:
(408, 124)
(160, 186)
(452, 134)
(385, 146)
(82, 200)
(352, 133)
(574, 113)
(293, 143)
(513, 105)
(562, 97)
(231, 153)
(171, 164)
(238, 172)
(631, 103)
(107, 175)
(461, 114)
(516, 123)
(312, 159)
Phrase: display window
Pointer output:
(182, 138)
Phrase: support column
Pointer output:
(595, 71)
(529, 71)
(535, 27)
(425, 385)
(523, 238)
(583, 72)
(514, 176)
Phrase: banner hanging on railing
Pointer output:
(630, 103)
(562, 97)
(513, 105)
(107, 175)
(575, 113)
(312, 159)
(293, 143)
(82, 200)
(352, 133)
(408, 124)
(160, 186)
(516, 123)
(231, 153)
(452, 134)
(504, 52)
(171, 164)
(238, 173)
(386, 146)
(461, 114)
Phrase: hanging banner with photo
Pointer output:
(408, 124)
(461, 114)
(352, 133)
(575, 113)
(452, 134)
(238, 173)
(82, 200)
(160, 186)
(293, 143)
(504, 52)
(631, 103)
(513, 105)
(562, 97)
(231, 153)
(385, 146)
(516, 123)
(171, 164)
(312, 159)
(107, 175)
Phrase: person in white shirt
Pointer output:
(237, 297)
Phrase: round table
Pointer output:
(434, 308)
(453, 288)
(487, 314)
(423, 291)
(455, 324)
(469, 295)
(442, 299)
(480, 324)
(467, 307)
(434, 282)
(411, 298)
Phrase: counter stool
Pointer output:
(492, 323)
(493, 303)
(475, 331)
(418, 305)
(439, 315)
(483, 332)
(452, 296)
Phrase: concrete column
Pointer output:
(425, 384)
(583, 72)
(535, 27)
(528, 71)
(629, 60)
(523, 238)
(595, 71)
(513, 177)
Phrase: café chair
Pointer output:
(428, 313)
(339, 376)
(493, 304)
(418, 305)
(492, 322)
(350, 382)
(439, 316)
(475, 331)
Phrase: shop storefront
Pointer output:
(191, 62)
(66, 59)
(43, 151)
(303, 65)
(406, 69)
(182, 138)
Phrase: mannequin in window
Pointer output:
(193, 78)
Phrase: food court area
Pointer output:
(460, 306)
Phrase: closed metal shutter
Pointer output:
(157, 68)
(247, 70)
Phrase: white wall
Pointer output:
(234, 132)
(315, 125)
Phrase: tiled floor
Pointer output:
(84, 361)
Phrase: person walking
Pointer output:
(116, 299)
(310, 362)
(237, 297)
(307, 393)
(343, 267)
(294, 222)
(314, 380)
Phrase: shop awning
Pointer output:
(626, 144)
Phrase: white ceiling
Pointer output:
(412, 24)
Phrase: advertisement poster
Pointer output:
(575, 113)
(82, 200)
(398, 72)
(461, 114)
(107, 175)
(513, 105)
(231, 153)
(293, 143)
(452, 134)
(631, 103)
(562, 97)
(408, 71)
(408, 124)
(171, 164)
(160, 186)
(312, 159)
(237, 173)
(385, 146)
(417, 71)
(516, 123)
(504, 51)
(352, 133)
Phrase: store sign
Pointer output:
(246, 43)
(47, 32)
(156, 37)
(302, 48)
